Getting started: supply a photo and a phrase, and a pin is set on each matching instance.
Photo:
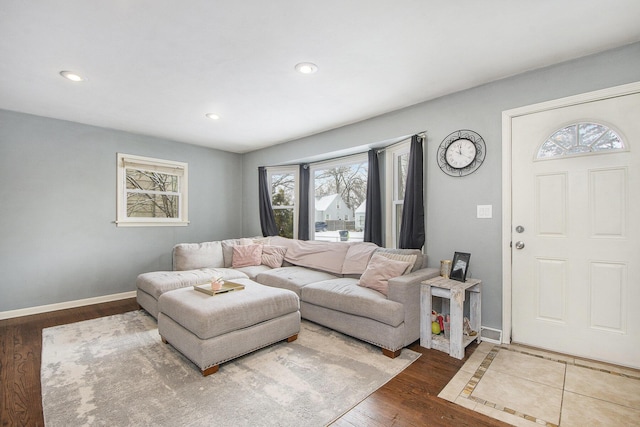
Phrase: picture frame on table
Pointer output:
(460, 266)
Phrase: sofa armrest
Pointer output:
(406, 290)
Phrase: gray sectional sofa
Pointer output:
(332, 279)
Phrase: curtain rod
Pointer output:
(422, 134)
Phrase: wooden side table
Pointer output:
(456, 293)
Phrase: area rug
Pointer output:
(115, 371)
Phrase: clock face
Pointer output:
(461, 153)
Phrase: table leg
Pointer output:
(425, 316)
(475, 312)
(456, 348)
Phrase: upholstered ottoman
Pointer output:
(210, 330)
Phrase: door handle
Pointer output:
(519, 244)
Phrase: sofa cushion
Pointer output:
(227, 249)
(292, 278)
(246, 255)
(357, 257)
(325, 256)
(380, 270)
(343, 294)
(273, 256)
(190, 256)
(158, 282)
(253, 270)
(421, 259)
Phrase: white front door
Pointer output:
(575, 228)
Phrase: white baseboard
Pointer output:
(64, 305)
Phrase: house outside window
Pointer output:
(340, 188)
(151, 192)
(284, 189)
(396, 167)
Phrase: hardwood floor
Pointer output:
(410, 399)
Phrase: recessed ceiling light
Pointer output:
(306, 68)
(70, 75)
(213, 116)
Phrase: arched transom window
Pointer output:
(579, 139)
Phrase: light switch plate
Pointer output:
(485, 211)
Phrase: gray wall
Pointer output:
(451, 202)
(57, 238)
(58, 241)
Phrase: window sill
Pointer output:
(151, 223)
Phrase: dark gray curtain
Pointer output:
(373, 214)
(412, 232)
(303, 205)
(267, 218)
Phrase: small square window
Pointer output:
(151, 192)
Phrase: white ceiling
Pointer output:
(156, 67)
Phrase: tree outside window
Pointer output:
(339, 199)
(283, 200)
(152, 194)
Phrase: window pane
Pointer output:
(284, 222)
(609, 141)
(402, 168)
(565, 137)
(143, 205)
(282, 190)
(340, 201)
(588, 133)
(151, 181)
(549, 150)
(399, 207)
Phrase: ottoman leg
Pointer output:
(210, 370)
(292, 338)
(164, 340)
(391, 354)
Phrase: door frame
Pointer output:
(507, 117)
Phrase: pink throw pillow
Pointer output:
(246, 255)
(379, 270)
(273, 256)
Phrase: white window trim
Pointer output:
(151, 164)
(283, 170)
(391, 188)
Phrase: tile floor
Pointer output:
(529, 387)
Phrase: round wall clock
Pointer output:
(461, 153)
